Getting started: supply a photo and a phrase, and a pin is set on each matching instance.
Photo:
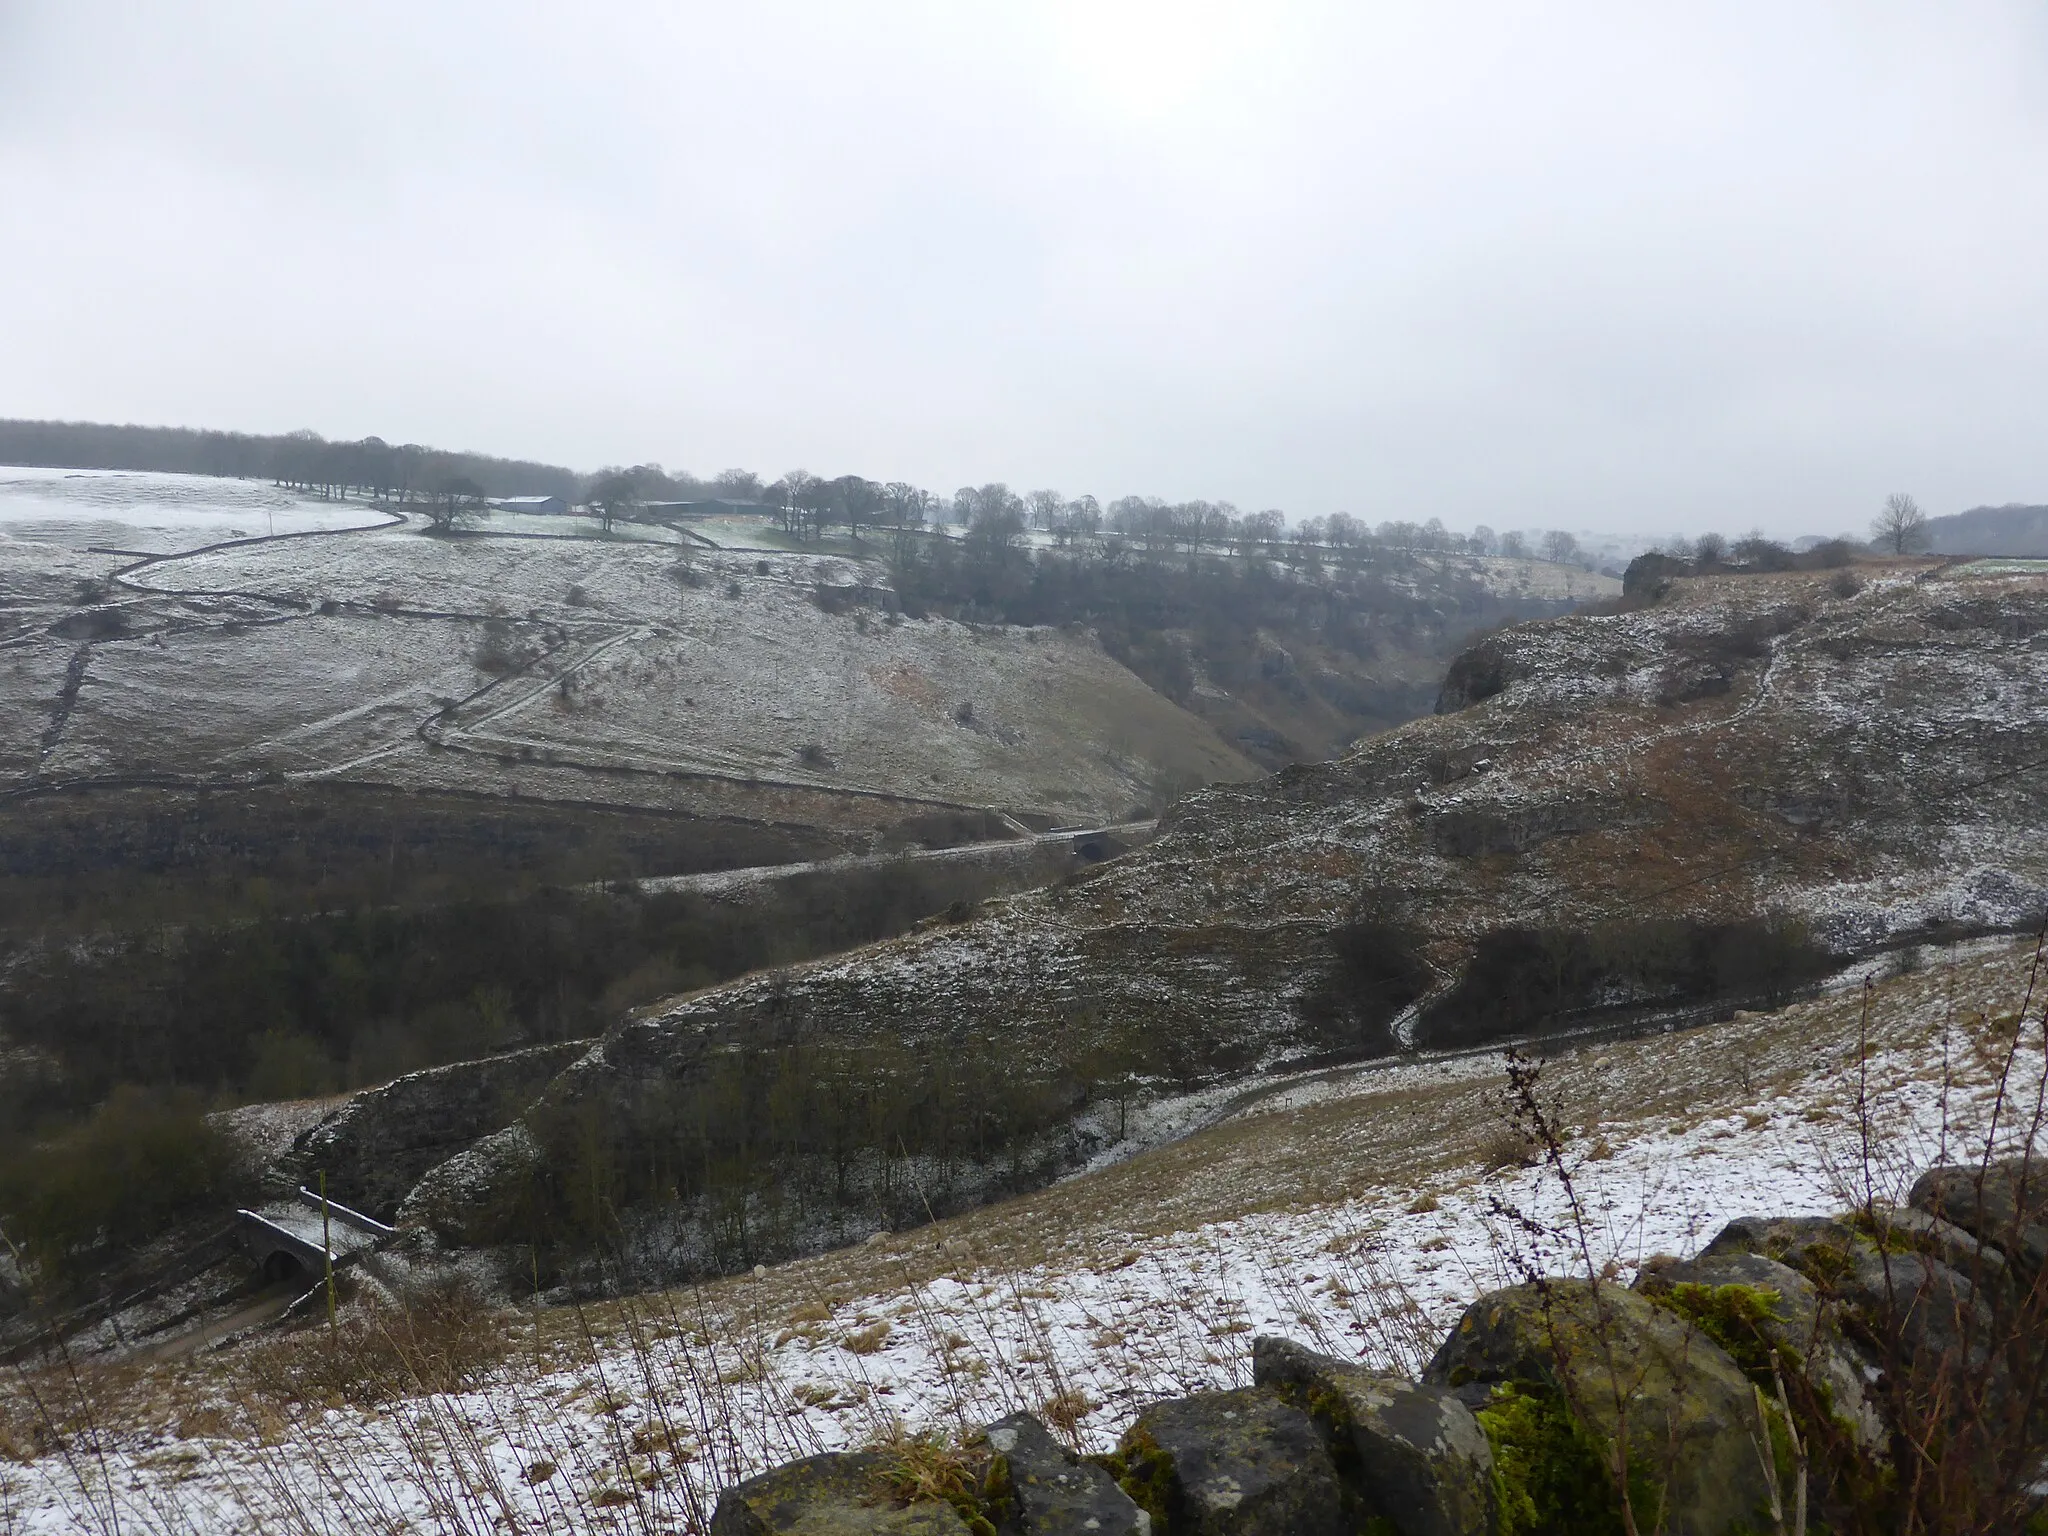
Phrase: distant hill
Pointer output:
(2006, 530)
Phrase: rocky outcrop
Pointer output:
(2003, 1203)
(1422, 1462)
(830, 1495)
(1773, 1307)
(379, 1144)
(1242, 1463)
(1909, 1300)
(1043, 1489)
(1641, 1381)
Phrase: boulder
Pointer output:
(1984, 1265)
(1898, 1294)
(838, 1494)
(1052, 1492)
(1239, 1463)
(1803, 1242)
(2004, 1204)
(1691, 1415)
(1417, 1455)
(1799, 1327)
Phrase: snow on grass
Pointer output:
(664, 661)
(331, 688)
(631, 1415)
(158, 514)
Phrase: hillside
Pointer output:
(621, 671)
(1689, 806)
(1358, 1214)
(188, 632)
(297, 795)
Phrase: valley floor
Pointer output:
(1359, 1215)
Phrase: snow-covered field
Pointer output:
(158, 514)
(633, 669)
(1358, 1215)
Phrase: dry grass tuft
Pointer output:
(1507, 1148)
(929, 1468)
(865, 1341)
(1064, 1411)
(444, 1339)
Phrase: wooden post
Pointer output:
(327, 1250)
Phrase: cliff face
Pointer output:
(1698, 800)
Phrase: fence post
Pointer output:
(327, 1250)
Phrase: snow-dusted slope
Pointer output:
(1359, 1216)
(248, 634)
(1858, 760)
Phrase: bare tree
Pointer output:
(792, 496)
(1261, 531)
(1347, 535)
(613, 496)
(995, 521)
(1560, 548)
(1081, 518)
(1901, 527)
(855, 502)
(907, 507)
(455, 500)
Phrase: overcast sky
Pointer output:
(1595, 266)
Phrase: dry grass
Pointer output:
(644, 1407)
(445, 1339)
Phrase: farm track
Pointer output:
(720, 881)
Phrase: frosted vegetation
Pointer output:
(1358, 1216)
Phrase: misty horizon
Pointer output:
(1601, 271)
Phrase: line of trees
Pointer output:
(452, 485)
(1900, 528)
(997, 519)
(305, 461)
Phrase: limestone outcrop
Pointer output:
(379, 1144)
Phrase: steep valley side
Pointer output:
(1706, 801)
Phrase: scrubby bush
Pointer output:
(1524, 980)
(142, 1161)
(442, 1338)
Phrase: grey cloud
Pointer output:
(1603, 266)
